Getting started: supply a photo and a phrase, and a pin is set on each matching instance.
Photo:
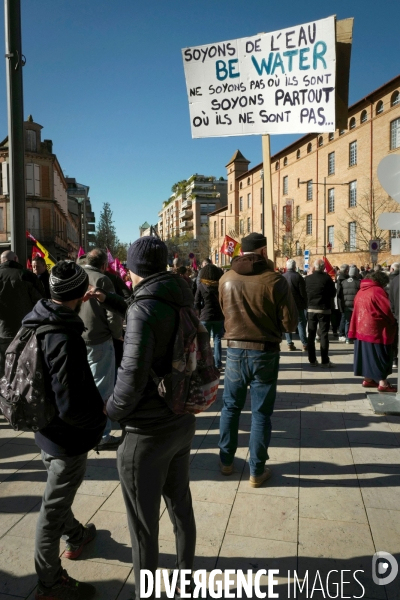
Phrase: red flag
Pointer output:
(329, 269)
(230, 247)
(28, 264)
(37, 252)
(81, 252)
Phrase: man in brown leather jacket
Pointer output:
(258, 307)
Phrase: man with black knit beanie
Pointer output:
(153, 459)
(76, 428)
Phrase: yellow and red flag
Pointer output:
(39, 249)
(230, 247)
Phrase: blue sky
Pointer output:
(105, 79)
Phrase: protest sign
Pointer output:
(279, 82)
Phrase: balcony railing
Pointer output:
(186, 214)
(186, 204)
(186, 225)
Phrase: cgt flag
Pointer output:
(230, 247)
(41, 250)
(329, 269)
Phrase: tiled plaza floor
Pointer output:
(333, 501)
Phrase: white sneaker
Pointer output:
(342, 338)
(328, 365)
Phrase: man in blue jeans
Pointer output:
(258, 306)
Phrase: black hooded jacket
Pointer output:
(80, 421)
(151, 327)
(206, 301)
(19, 291)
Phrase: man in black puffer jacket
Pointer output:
(153, 459)
(348, 291)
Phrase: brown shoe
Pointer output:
(226, 469)
(259, 480)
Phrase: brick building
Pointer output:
(47, 216)
(326, 195)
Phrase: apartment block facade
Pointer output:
(48, 215)
(326, 194)
(185, 214)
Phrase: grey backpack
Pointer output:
(23, 399)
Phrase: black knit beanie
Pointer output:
(147, 256)
(253, 241)
(68, 281)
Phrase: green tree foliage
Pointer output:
(106, 235)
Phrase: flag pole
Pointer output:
(268, 225)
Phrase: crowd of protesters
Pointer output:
(113, 336)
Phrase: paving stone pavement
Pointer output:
(333, 500)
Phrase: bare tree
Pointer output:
(371, 203)
(293, 235)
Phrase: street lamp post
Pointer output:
(324, 218)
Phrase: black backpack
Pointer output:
(23, 399)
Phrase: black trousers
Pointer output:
(151, 466)
(322, 321)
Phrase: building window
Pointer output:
(248, 200)
(309, 148)
(331, 136)
(285, 185)
(364, 116)
(1, 219)
(395, 134)
(30, 140)
(309, 189)
(379, 107)
(395, 99)
(331, 200)
(320, 141)
(297, 213)
(33, 215)
(215, 229)
(230, 187)
(331, 235)
(352, 154)
(277, 165)
(353, 235)
(222, 227)
(230, 208)
(248, 225)
(241, 226)
(261, 195)
(204, 220)
(241, 203)
(261, 221)
(342, 131)
(240, 185)
(284, 215)
(298, 154)
(298, 248)
(207, 208)
(32, 179)
(353, 193)
(309, 224)
(248, 181)
(331, 163)
(285, 161)
(352, 123)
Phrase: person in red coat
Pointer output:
(373, 327)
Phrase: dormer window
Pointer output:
(31, 145)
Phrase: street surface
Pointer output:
(332, 503)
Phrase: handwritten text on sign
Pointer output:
(280, 82)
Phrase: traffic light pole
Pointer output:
(16, 150)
